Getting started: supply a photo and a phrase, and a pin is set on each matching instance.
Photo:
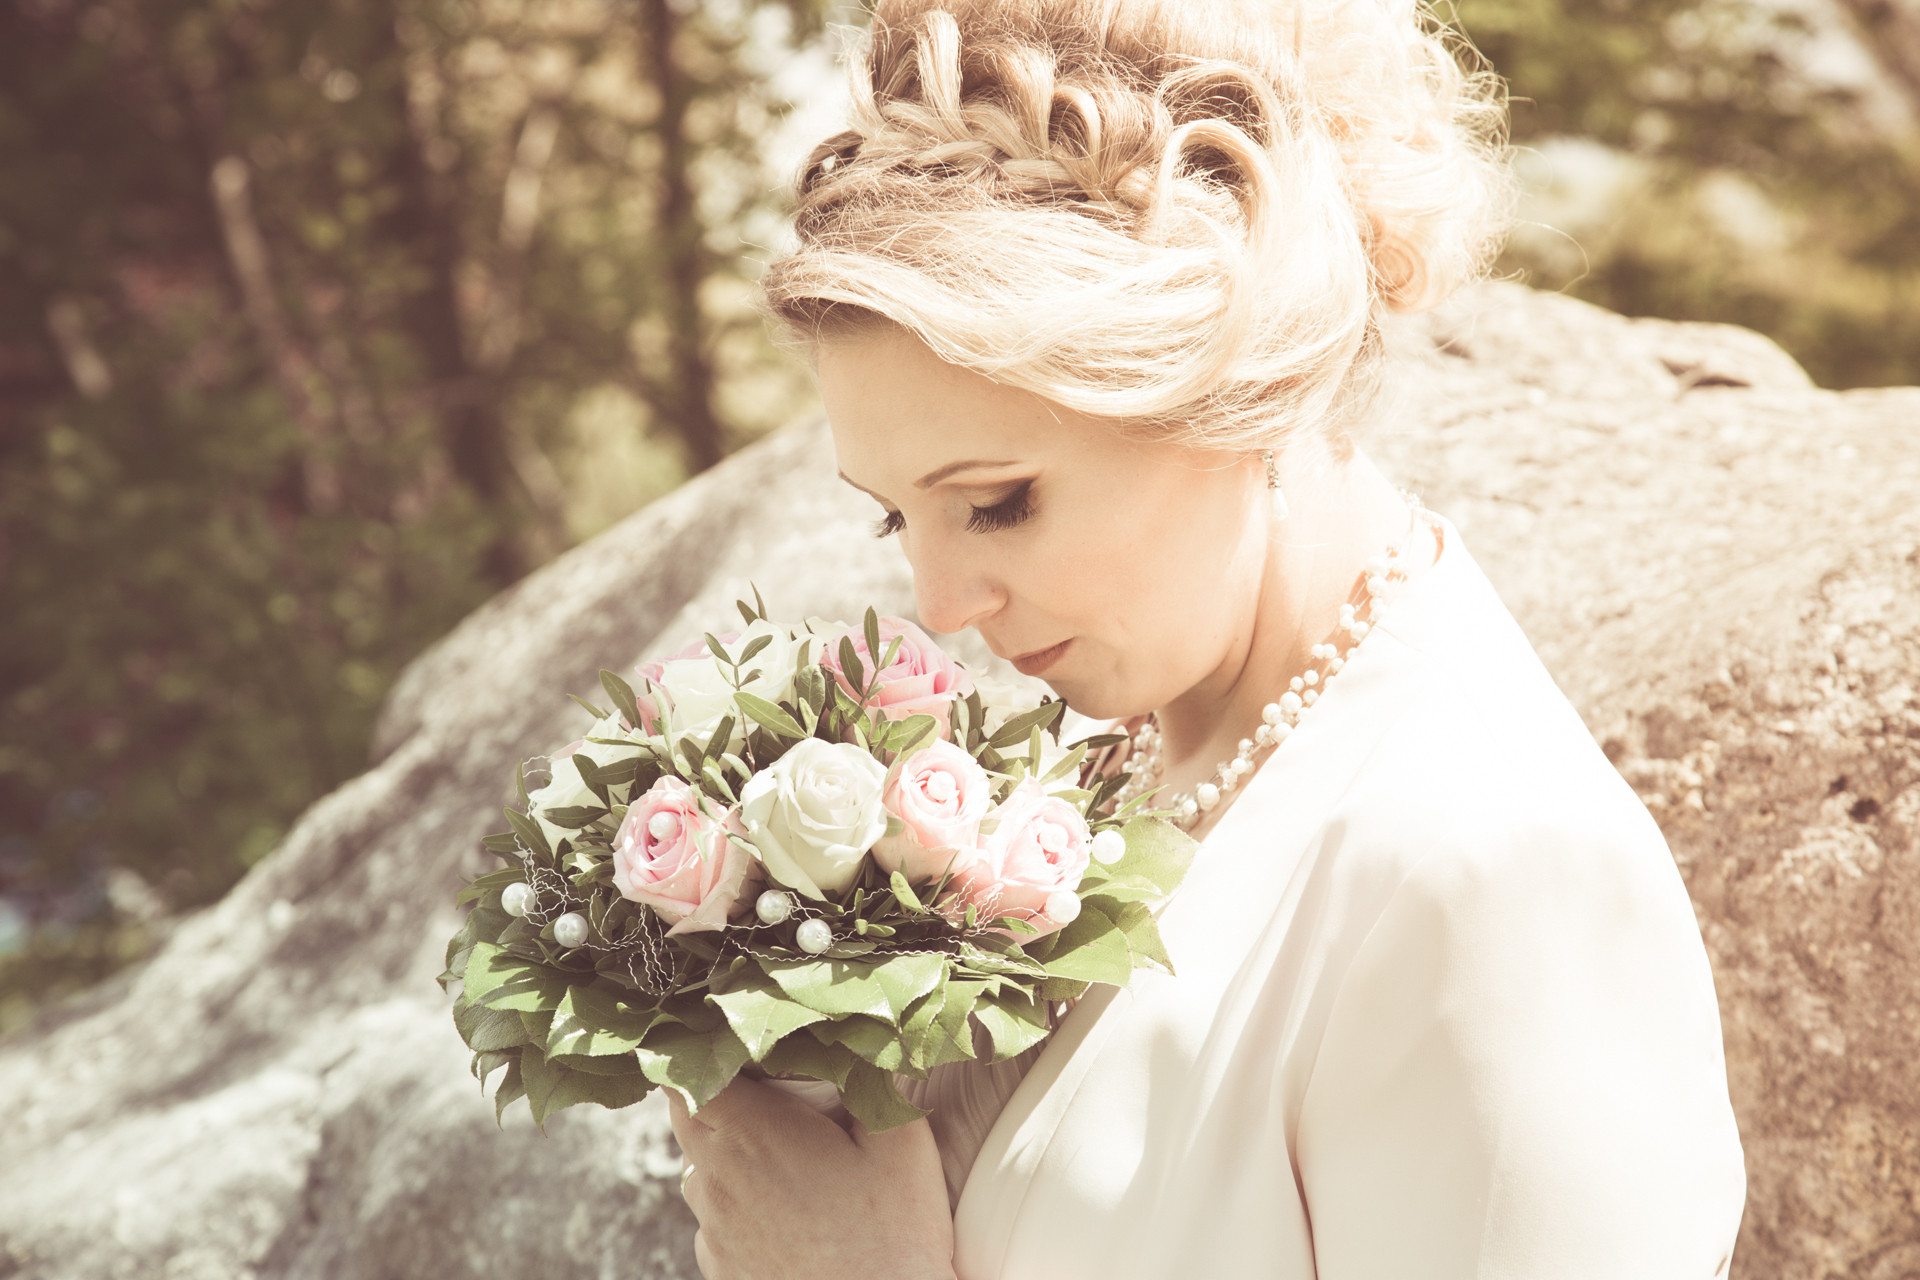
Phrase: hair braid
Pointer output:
(1186, 215)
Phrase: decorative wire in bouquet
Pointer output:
(802, 851)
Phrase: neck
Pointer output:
(1342, 514)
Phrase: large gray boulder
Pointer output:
(1716, 559)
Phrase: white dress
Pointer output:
(1442, 1010)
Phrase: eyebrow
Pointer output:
(938, 473)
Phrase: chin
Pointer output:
(1094, 704)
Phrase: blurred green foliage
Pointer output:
(1765, 166)
(320, 323)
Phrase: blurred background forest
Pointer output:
(322, 322)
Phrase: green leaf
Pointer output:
(915, 732)
(601, 777)
(1135, 920)
(903, 893)
(850, 663)
(989, 954)
(837, 988)
(695, 1064)
(716, 784)
(746, 612)
(720, 739)
(717, 649)
(871, 1039)
(593, 1020)
(532, 838)
(769, 715)
(1157, 850)
(483, 924)
(1020, 727)
(936, 1030)
(810, 688)
(761, 1014)
(758, 603)
(1149, 868)
(906, 976)
(1107, 893)
(485, 884)
(552, 1086)
(1067, 764)
(611, 1064)
(870, 629)
(572, 817)
(500, 980)
(801, 1054)
(1013, 1022)
(1056, 989)
(754, 646)
(512, 1085)
(489, 1030)
(538, 1023)
(871, 1098)
(598, 713)
(1092, 949)
(622, 694)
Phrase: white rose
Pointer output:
(814, 813)
(566, 788)
(700, 690)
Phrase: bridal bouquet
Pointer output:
(809, 851)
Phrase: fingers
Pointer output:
(703, 1256)
(734, 1104)
(901, 1141)
(687, 1131)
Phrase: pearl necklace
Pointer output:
(1279, 719)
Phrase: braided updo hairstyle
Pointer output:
(1187, 216)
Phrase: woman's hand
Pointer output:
(781, 1191)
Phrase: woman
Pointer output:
(1094, 290)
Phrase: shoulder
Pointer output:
(1486, 767)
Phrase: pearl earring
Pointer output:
(1274, 491)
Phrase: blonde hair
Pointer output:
(1188, 216)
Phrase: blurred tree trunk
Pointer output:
(684, 396)
(1892, 35)
(425, 221)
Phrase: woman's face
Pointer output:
(1122, 573)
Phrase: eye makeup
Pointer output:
(1008, 512)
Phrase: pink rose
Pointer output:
(1037, 852)
(922, 680)
(675, 858)
(940, 793)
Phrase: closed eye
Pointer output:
(1005, 514)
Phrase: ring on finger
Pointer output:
(685, 1173)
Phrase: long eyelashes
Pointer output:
(1004, 514)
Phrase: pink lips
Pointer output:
(1035, 663)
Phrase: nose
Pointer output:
(951, 589)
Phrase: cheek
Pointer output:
(1168, 586)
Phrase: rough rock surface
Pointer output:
(1717, 560)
